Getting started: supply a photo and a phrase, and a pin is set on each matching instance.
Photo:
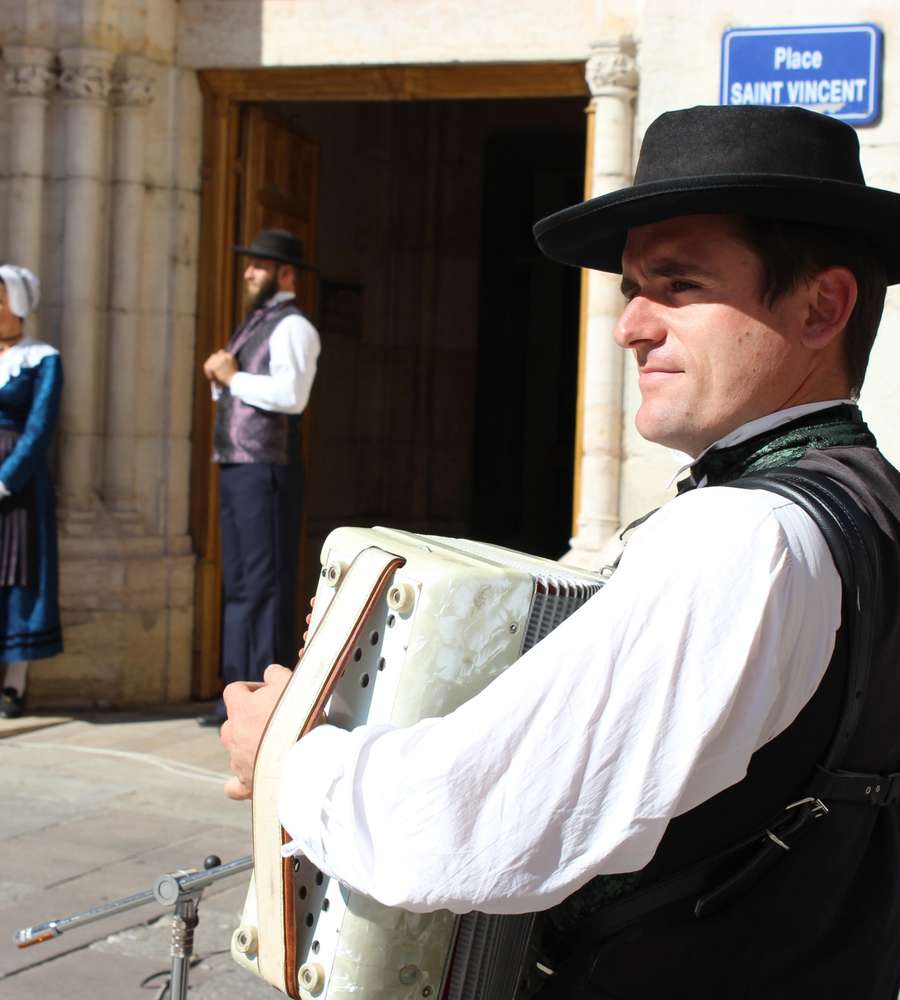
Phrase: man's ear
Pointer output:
(286, 277)
(831, 300)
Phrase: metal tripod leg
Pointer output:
(183, 923)
(182, 890)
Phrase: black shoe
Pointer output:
(10, 704)
(210, 721)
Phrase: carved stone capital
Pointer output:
(612, 68)
(30, 72)
(136, 91)
(134, 84)
(86, 74)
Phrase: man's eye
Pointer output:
(680, 285)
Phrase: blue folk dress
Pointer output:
(30, 387)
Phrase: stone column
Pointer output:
(132, 92)
(30, 77)
(85, 81)
(612, 78)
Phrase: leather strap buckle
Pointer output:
(813, 808)
(817, 806)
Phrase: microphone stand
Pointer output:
(181, 889)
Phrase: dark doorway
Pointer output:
(446, 393)
(527, 348)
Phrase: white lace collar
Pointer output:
(26, 354)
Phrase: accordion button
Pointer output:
(401, 597)
(245, 940)
(334, 572)
(311, 976)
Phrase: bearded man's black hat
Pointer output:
(278, 245)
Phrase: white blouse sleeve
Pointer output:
(709, 639)
(293, 350)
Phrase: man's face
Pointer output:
(260, 279)
(710, 354)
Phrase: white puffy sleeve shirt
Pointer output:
(293, 352)
(709, 639)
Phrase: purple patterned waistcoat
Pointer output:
(244, 433)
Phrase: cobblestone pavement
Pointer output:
(93, 809)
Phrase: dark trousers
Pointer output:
(260, 507)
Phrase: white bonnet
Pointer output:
(23, 289)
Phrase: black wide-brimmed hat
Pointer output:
(276, 244)
(776, 163)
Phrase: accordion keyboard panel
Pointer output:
(488, 957)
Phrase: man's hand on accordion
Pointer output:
(312, 604)
(249, 706)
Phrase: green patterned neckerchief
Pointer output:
(836, 427)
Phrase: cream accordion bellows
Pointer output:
(468, 610)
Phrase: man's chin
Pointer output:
(262, 294)
(662, 429)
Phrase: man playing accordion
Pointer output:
(656, 744)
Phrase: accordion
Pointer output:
(404, 627)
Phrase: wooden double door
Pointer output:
(436, 314)
(271, 184)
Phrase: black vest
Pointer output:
(824, 923)
(243, 433)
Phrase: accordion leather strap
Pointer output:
(298, 710)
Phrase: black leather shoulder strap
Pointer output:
(850, 536)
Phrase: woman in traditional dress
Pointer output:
(30, 386)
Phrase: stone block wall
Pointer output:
(127, 622)
(357, 32)
(100, 178)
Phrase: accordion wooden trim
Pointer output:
(405, 627)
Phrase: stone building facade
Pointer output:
(143, 137)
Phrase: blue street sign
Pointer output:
(835, 69)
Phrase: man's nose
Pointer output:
(639, 321)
